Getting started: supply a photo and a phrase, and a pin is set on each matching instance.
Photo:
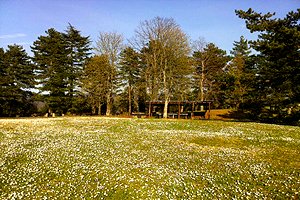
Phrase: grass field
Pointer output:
(111, 158)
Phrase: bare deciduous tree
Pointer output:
(110, 44)
(167, 49)
(199, 44)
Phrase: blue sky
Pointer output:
(22, 21)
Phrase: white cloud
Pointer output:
(17, 35)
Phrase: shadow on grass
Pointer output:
(247, 116)
(237, 115)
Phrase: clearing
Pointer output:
(114, 158)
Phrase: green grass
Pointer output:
(110, 158)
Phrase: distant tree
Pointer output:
(110, 44)
(130, 71)
(16, 81)
(279, 67)
(96, 82)
(52, 67)
(152, 71)
(59, 60)
(182, 80)
(199, 44)
(209, 63)
(240, 70)
(78, 48)
(241, 48)
(3, 74)
(166, 48)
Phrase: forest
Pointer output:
(68, 76)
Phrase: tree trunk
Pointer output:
(129, 100)
(150, 110)
(166, 108)
(237, 106)
(136, 102)
(99, 107)
(108, 104)
(202, 81)
(93, 109)
(166, 95)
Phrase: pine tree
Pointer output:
(78, 48)
(130, 74)
(5, 82)
(241, 48)
(52, 66)
(59, 59)
(17, 80)
(279, 67)
(209, 63)
(3, 76)
(241, 72)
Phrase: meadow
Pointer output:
(115, 158)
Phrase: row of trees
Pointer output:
(158, 64)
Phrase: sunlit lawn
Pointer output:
(110, 158)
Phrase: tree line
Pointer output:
(66, 75)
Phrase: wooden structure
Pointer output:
(180, 109)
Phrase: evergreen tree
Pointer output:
(16, 82)
(130, 75)
(78, 48)
(3, 76)
(279, 67)
(209, 64)
(59, 59)
(241, 73)
(241, 48)
(52, 66)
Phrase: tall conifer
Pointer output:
(16, 81)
